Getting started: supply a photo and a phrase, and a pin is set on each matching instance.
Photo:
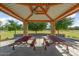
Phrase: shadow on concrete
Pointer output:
(25, 51)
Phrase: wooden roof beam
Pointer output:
(10, 15)
(7, 9)
(39, 21)
(29, 16)
(44, 10)
(71, 9)
(70, 13)
(50, 18)
(40, 4)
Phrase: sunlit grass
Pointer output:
(68, 33)
(10, 34)
(72, 33)
(7, 34)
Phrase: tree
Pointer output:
(35, 26)
(0, 24)
(0, 28)
(74, 28)
(12, 25)
(63, 24)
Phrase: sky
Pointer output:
(76, 19)
(4, 17)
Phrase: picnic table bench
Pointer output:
(23, 40)
(55, 40)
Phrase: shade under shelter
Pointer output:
(39, 12)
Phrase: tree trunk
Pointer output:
(15, 30)
(58, 32)
(35, 32)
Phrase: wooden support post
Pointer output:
(25, 28)
(53, 29)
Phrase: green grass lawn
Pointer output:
(68, 33)
(6, 34)
(72, 34)
(10, 34)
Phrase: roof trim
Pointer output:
(71, 9)
(10, 11)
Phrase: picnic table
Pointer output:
(54, 40)
(23, 40)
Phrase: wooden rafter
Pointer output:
(71, 9)
(65, 14)
(40, 4)
(39, 21)
(49, 17)
(28, 17)
(70, 13)
(10, 14)
(44, 10)
(47, 8)
(37, 11)
(48, 5)
(30, 7)
(1, 5)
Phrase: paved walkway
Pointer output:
(57, 50)
(73, 46)
(22, 50)
(28, 51)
